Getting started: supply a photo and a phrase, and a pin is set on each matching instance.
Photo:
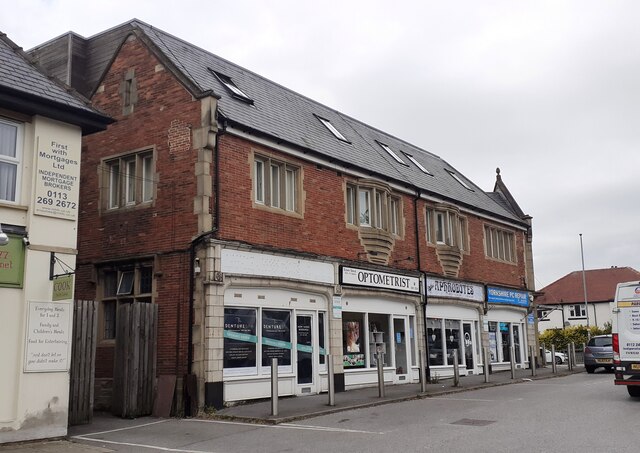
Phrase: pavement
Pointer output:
(298, 408)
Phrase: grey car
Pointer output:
(598, 353)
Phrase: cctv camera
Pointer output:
(26, 242)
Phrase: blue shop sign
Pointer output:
(507, 296)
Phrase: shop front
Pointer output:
(453, 315)
(506, 326)
(275, 307)
(379, 323)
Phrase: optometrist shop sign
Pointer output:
(383, 280)
(440, 287)
(57, 179)
(507, 296)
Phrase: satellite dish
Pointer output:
(567, 323)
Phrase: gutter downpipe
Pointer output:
(423, 289)
(192, 256)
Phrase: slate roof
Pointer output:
(19, 74)
(291, 118)
(601, 286)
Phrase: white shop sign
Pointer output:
(440, 287)
(48, 339)
(363, 277)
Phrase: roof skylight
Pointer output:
(416, 163)
(227, 82)
(392, 153)
(332, 129)
(457, 178)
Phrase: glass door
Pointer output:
(305, 372)
(467, 331)
(400, 347)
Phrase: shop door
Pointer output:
(400, 348)
(306, 358)
(469, 348)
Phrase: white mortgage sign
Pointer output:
(57, 179)
(48, 337)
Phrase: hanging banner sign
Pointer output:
(507, 296)
(440, 287)
(62, 288)
(12, 262)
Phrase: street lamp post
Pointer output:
(584, 284)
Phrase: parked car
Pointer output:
(561, 357)
(599, 353)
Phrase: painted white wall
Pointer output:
(34, 405)
(599, 314)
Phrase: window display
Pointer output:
(276, 337)
(240, 338)
(353, 347)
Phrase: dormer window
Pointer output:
(459, 179)
(232, 87)
(332, 129)
(416, 163)
(392, 153)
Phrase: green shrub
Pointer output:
(561, 338)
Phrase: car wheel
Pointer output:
(590, 369)
(558, 360)
(633, 390)
(608, 368)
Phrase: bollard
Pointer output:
(380, 374)
(456, 369)
(584, 348)
(274, 387)
(485, 359)
(554, 365)
(332, 389)
(513, 362)
(569, 360)
(573, 355)
(544, 355)
(423, 372)
(532, 360)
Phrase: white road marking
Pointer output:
(285, 426)
(124, 429)
(130, 444)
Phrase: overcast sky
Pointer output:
(549, 91)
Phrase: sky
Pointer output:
(547, 91)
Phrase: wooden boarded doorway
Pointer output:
(135, 360)
(83, 361)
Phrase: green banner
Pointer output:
(232, 335)
(12, 262)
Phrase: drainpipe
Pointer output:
(423, 292)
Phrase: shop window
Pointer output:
(240, 340)
(353, 347)
(128, 180)
(452, 338)
(493, 341)
(276, 337)
(10, 160)
(373, 207)
(435, 341)
(499, 244)
(322, 352)
(120, 284)
(379, 338)
(412, 339)
(276, 184)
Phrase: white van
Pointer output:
(626, 336)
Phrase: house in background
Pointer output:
(41, 126)
(265, 225)
(562, 303)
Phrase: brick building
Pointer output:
(266, 225)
